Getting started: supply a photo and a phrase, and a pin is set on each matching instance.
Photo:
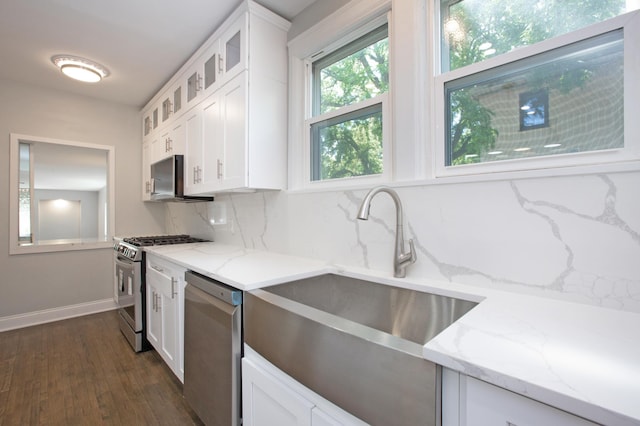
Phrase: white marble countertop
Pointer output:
(579, 358)
(245, 269)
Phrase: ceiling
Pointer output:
(142, 42)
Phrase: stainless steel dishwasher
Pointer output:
(212, 350)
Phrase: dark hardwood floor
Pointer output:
(82, 371)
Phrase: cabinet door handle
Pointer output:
(170, 144)
(157, 268)
(195, 175)
(199, 174)
(220, 165)
(198, 82)
(173, 288)
(220, 60)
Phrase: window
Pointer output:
(61, 196)
(348, 120)
(474, 30)
(534, 84)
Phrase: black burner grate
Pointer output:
(162, 240)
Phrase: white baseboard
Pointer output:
(56, 314)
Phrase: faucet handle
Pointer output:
(412, 251)
(409, 257)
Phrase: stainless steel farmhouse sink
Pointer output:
(357, 343)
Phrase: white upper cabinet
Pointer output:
(146, 125)
(146, 171)
(171, 103)
(234, 48)
(194, 83)
(230, 100)
(210, 68)
(171, 141)
(226, 56)
(216, 155)
(232, 146)
(200, 166)
(193, 151)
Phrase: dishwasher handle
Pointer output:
(227, 294)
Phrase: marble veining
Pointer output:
(574, 238)
(579, 358)
(605, 289)
(528, 206)
(569, 356)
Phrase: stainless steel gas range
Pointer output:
(129, 283)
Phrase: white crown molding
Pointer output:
(336, 26)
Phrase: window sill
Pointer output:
(611, 168)
(60, 246)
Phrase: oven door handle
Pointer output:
(125, 265)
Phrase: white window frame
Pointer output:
(350, 22)
(613, 158)
(15, 246)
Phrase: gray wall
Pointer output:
(34, 282)
(87, 225)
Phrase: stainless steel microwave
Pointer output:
(167, 181)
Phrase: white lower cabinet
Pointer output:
(271, 397)
(482, 404)
(165, 312)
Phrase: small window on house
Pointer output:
(346, 130)
(528, 81)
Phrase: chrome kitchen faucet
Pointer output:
(400, 259)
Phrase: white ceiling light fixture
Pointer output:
(80, 68)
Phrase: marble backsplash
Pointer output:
(575, 238)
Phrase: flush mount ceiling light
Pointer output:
(80, 68)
